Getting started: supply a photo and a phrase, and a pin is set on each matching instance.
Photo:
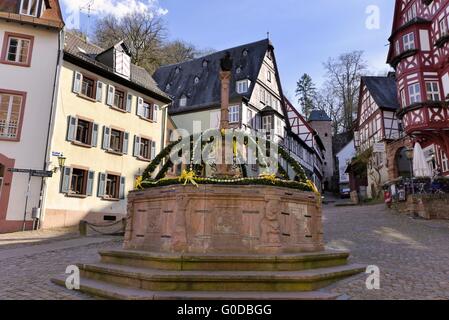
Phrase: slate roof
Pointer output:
(341, 140)
(319, 115)
(207, 92)
(82, 50)
(384, 91)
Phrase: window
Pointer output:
(11, 109)
(119, 100)
(144, 148)
(17, 49)
(397, 48)
(115, 140)
(183, 101)
(29, 7)
(147, 110)
(88, 87)
(111, 186)
(411, 13)
(267, 123)
(82, 131)
(414, 93)
(279, 128)
(242, 86)
(77, 181)
(403, 100)
(234, 114)
(250, 118)
(262, 95)
(433, 91)
(409, 41)
(269, 76)
(443, 27)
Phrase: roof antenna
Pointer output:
(88, 8)
(268, 35)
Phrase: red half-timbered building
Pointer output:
(419, 52)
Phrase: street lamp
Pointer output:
(409, 153)
(61, 163)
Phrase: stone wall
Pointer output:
(425, 206)
(224, 219)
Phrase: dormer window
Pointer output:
(122, 63)
(177, 70)
(242, 86)
(245, 52)
(196, 80)
(183, 101)
(239, 70)
(168, 86)
(29, 7)
(205, 64)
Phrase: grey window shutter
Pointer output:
(94, 140)
(71, 130)
(65, 180)
(122, 187)
(136, 146)
(111, 94)
(77, 81)
(129, 101)
(155, 110)
(106, 137)
(125, 142)
(100, 86)
(90, 183)
(101, 184)
(153, 150)
(140, 109)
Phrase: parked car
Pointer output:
(345, 192)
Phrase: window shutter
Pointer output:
(125, 142)
(155, 110)
(77, 81)
(106, 137)
(100, 86)
(101, 184)
(110, 98)
(122, 187)
(94, 141)
(140, 109)
(129, 101)
(90, 183)
(71, 130)
(65, 183)
(136, 146)
(153, 150)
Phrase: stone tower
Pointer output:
(322, 124)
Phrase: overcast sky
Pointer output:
(304, 33)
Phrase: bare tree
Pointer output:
(327, 101)
(344, 73)
(178, 51)
(143, 32)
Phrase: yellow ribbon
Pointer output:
(271, 177)
(188, 176)
(315, 190)
(138, 183)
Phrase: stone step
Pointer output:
(284, 262)
(271, 281)
(116, 292)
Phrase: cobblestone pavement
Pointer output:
(413, 255)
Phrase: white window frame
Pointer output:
(414, 93)
(6, 124)
(20, 42)
(403, 98)
(269, 77)
(267, 123)
(234, 114)
(433, 91)
(397, 47)
(442, 24)
(409, 41)
(28, 11)
(242, 86)
(183, 101)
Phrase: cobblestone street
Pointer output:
(413, 256)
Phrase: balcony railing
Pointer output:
(8, 129)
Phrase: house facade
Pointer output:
(306, 145)
(109, 124)
(377, 125)
(31, 39)
(419, 52)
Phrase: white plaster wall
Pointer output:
(37, 81)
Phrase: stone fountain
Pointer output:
(227, 236)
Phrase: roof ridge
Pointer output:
(214, 53)
(71, 33)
